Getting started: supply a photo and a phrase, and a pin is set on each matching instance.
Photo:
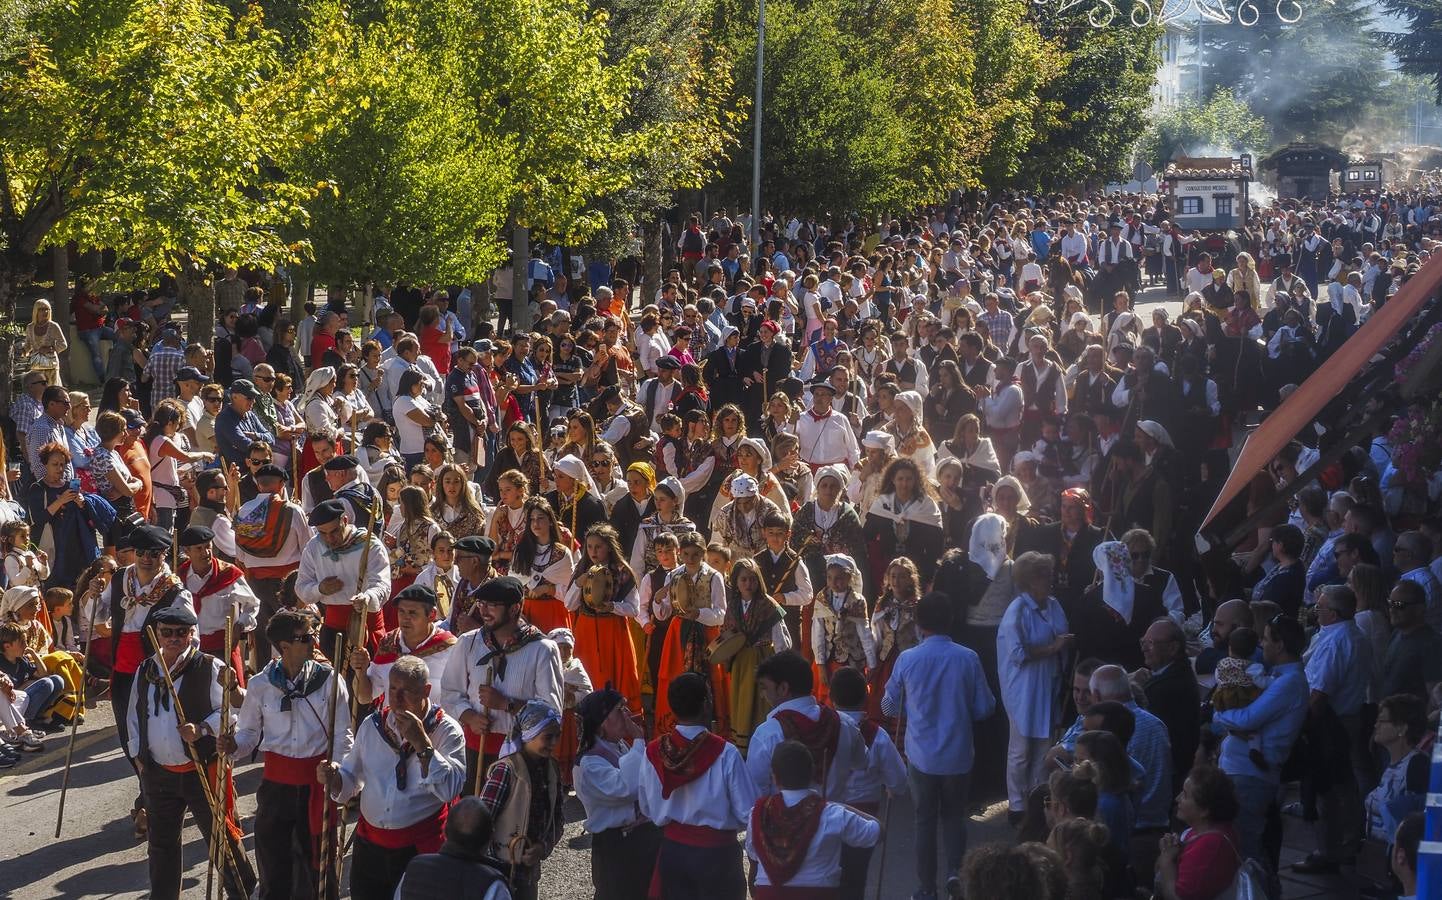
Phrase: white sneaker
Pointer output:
(31, 742)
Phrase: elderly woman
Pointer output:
(1163, 337)
(1201, 864)
(1032, 643)
(322, 410)
(1401, 725)
(827, 523)
(1077, 337)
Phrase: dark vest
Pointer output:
(360, 499)
(772, 583)
(1040, 395)
(627, 520)
(443, 875)
(194, 693)
(319, 490)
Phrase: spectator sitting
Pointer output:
(23, 679)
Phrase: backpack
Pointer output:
(1250, 882)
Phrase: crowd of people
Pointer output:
(845, 513)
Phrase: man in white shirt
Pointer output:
(786, 682)
(415, 635)
(173, 722)
(1338, 667)
(694, 785)
(825, 435)
(1073, 245)
(776, 819)
(218, 589)
(345, 571)
(407, 765)
(285, 715)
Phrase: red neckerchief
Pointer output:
(389, 649)
(820, 736)
(222, 576)
(678, 762)
(782, 834)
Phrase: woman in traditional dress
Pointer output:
(753, 459)
(893, 623)
(544, 562)
(602, 597)
(322, 411)
(912, 440)
(904, 520)
(508, 518)
(455, 505)
(750, 612)
(793, 474)
(1010, 501)
(670, 500)
(519, 454)
(409, 537)
(878, 452)
(693, 603)
(827, 524)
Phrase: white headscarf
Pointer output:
(988, 543)
(834, 471)
(759, 446)
(1082, 317)
(673, 486)
(879, 440)
(15, 598)
(1157, 433)
(1119, 589)
(317, 380)
(849, 564)
(571, 465)
(912, 401)
(1023, 502)
(743, 485)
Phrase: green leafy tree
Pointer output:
(1417, 46)
(1311, 80)
(1224, 123)
(1094, 109)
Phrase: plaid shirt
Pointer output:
(24, 410)
(45, 430)
(999, 324)
(496, 793)
(162, 368)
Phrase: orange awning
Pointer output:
(1327, 382)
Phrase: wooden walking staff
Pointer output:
(224, 836)
(330, 812)
(355, 635)
(221, 787)
(481, 750)
(74, 726)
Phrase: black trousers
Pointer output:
(267, 591)
(375, 871)
(701, 873)
(121, 684)
(622, 862)
(855, 862)
(167, 796)
(475, 759)
(283, 843)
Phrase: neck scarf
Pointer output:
(429, 721)
(157, 680)
(782, 834)
(524, 634)
(312, 676)
(678, 762)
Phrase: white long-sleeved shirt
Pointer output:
(862, 627)
(295, 543)
(133, 619)
(163, 729)
(822, 868)
(827, 440)
(214, 607)
(1003, 408)
(610, 800)
(300, 732)
(380, 672)
(885, 769)
(369, 770)
(721, 798)
(850, 749)
(713, 615)
(532, 673)
(319, 562)
(629, 605)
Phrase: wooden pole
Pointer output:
(74, 727)
(329, 811)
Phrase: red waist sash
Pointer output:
(426, 836)
(129, 653)
(493, 742)
(698, 835)
(300, 773)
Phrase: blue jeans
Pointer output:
(39, 695)
(91, 338)
(938, 797)
(1255, 796)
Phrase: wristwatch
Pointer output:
(426, 755)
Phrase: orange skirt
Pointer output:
(566, 747)
(603, 645)
(547, 614)
(674, 662)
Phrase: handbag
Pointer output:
(1250, 882)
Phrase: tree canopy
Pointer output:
(1223, 124)
(1418, 46)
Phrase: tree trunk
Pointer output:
(481, 307)
(521, 253)
(299, 294)
(198, 298)
(650, 259)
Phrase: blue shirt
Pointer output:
(1339, 664)
(1040, 244)
(234, 434)
(525, 374)
(1030, 688)
(1151, 746)
(1276, 717)
(938, 722)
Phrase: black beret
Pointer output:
(342, 463)
(420, 594)
(506, 589)
(476, 544)
(150, 537)
(125, 540)
(270, 470)
(173, 615)
(326, 512)
(196, 534)
(668, 362)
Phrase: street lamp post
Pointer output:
(756, 128)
